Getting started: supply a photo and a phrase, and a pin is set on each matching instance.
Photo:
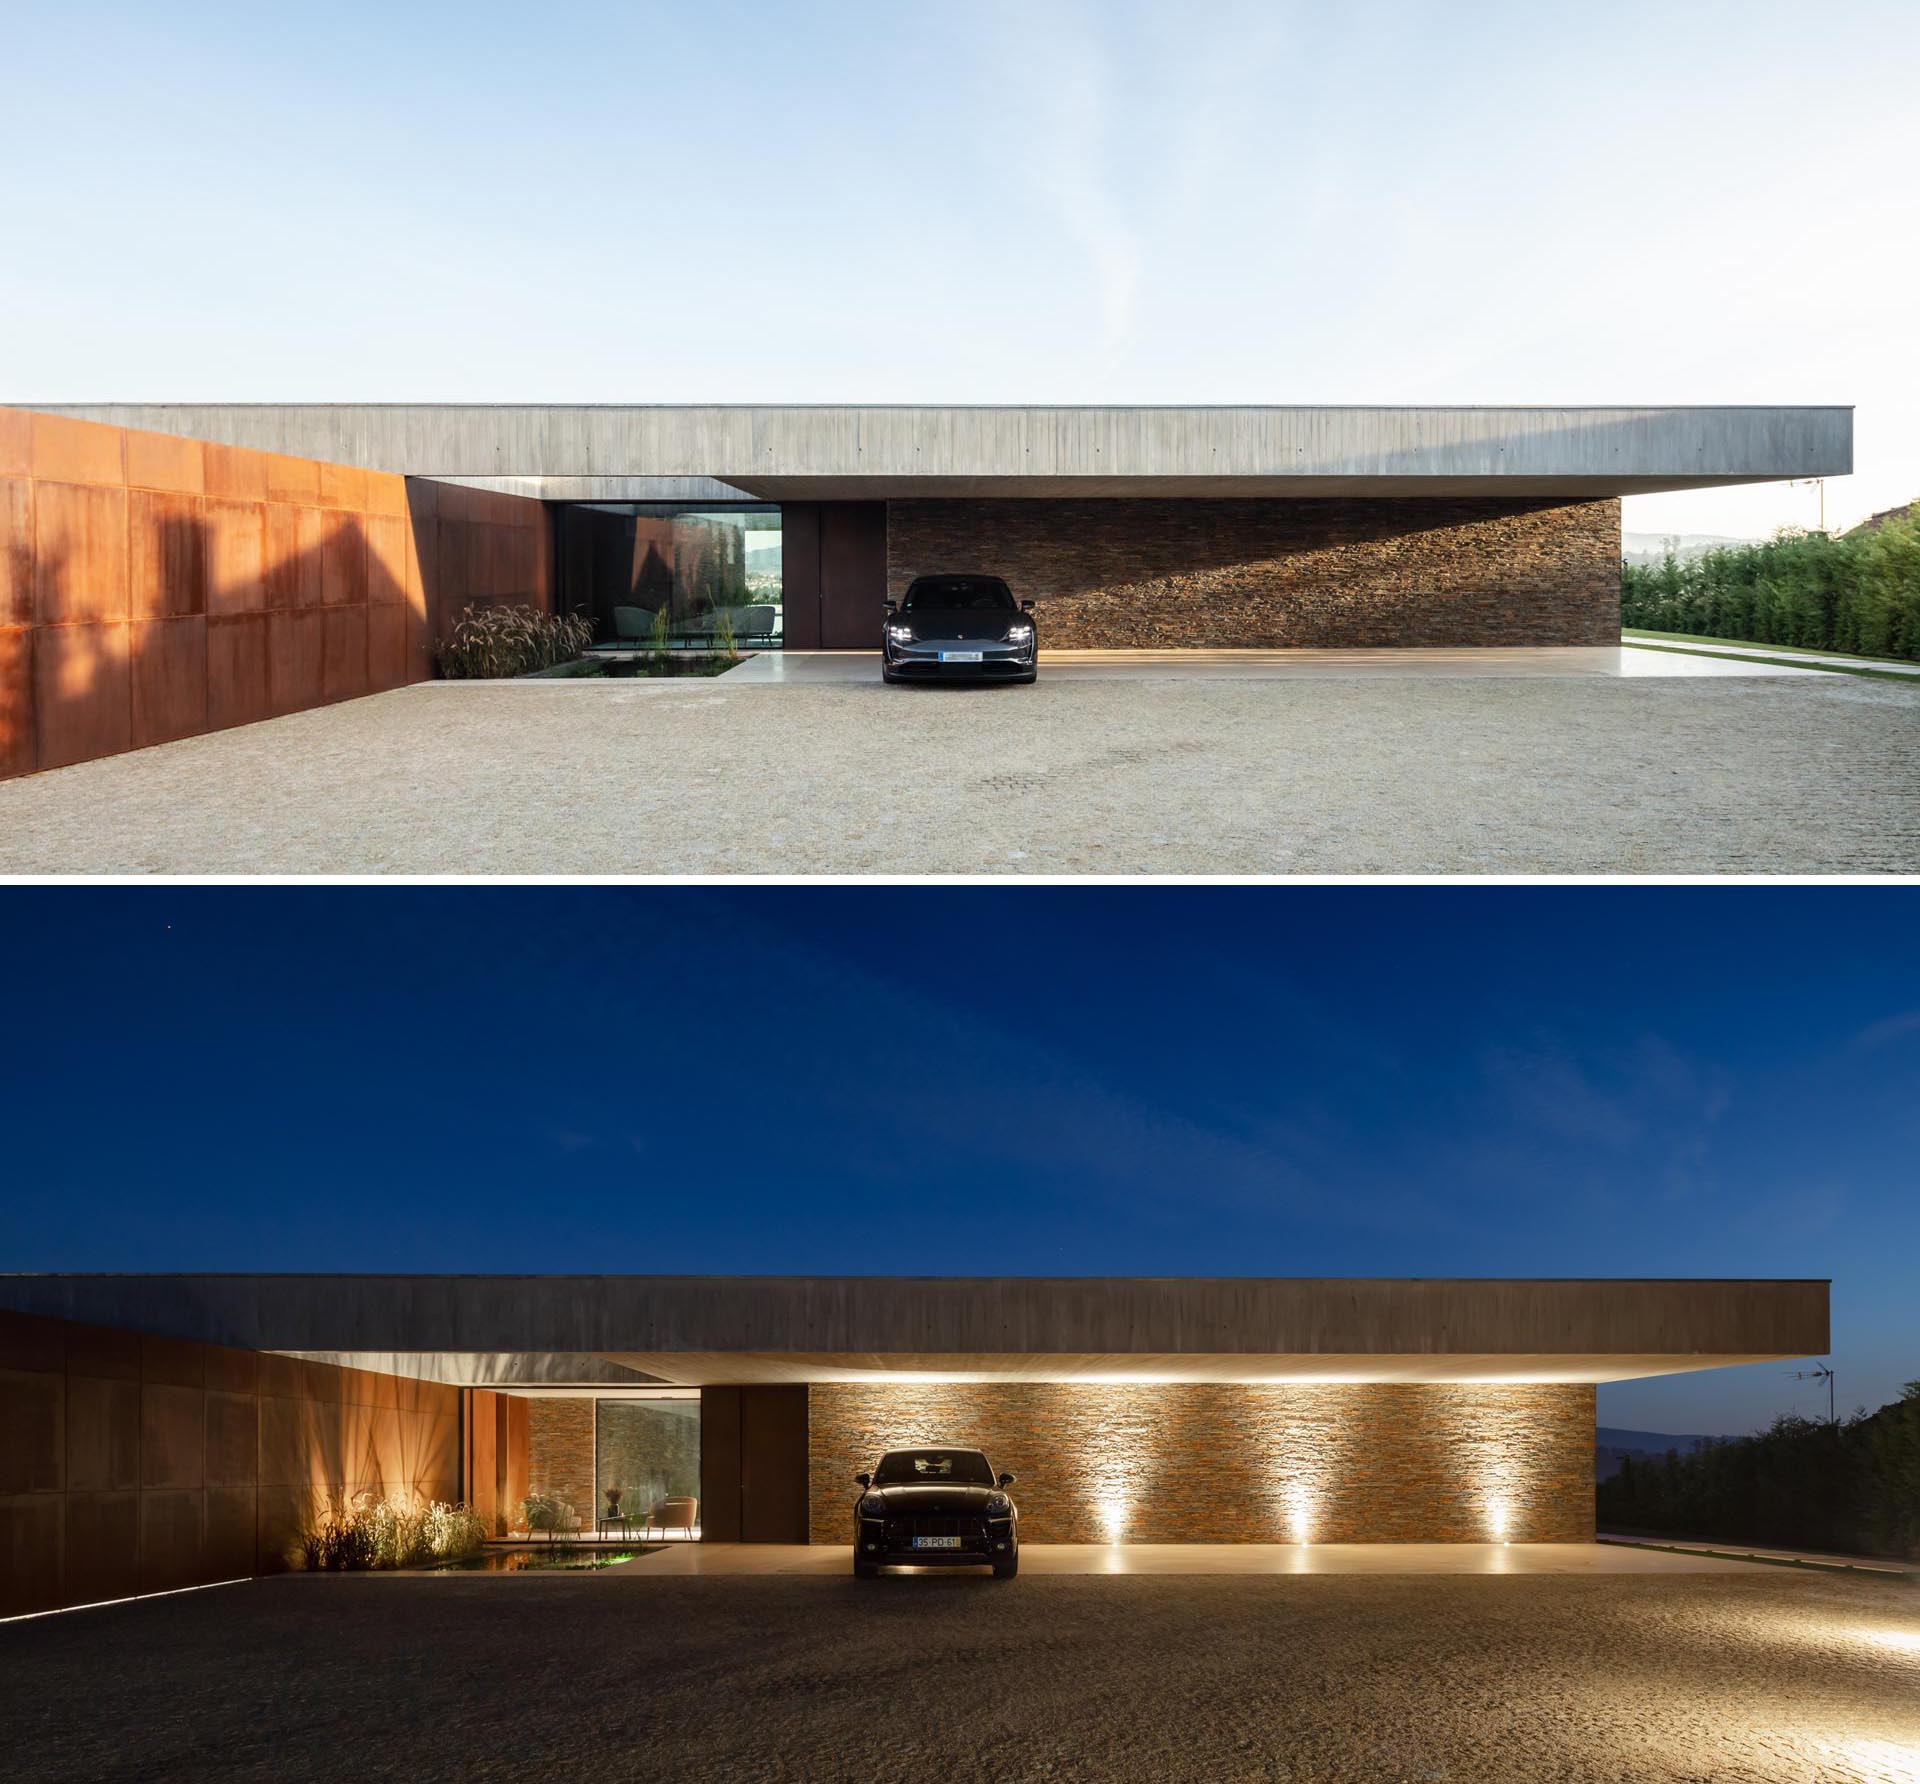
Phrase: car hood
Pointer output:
(939, 622)
(946, 1499)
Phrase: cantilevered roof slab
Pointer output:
(804, 452)
(712, 1330)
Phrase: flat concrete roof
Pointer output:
(713, 1330)
(798, 452)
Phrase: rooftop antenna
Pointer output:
(1822, 1373)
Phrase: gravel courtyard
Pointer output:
(1761, 1675)
(1812, 773)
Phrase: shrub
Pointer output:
(376, 1532)
(489, 643)
(1857, 592)
(546, 1511)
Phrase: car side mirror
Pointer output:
(1006, 1480)
(892, 605)
(866, 1480)
(1026, 606)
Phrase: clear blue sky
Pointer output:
(1292, 1081)
(1114, 202)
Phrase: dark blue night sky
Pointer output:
(1286, 1081)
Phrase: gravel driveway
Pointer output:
(1762, 1675)
(1801, 774)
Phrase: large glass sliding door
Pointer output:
(647, 1462)
(673, 575)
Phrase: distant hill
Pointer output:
(1610, 1444)
(1652, 548)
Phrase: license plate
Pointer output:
(962, 656)
(936, 1542)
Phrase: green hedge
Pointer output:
(1853, 1487)
(1857, 592)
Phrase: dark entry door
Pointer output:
(773, 1464)
(853, 574)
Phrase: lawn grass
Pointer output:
(1805, 650)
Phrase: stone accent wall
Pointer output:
(1255, 572)
(1370, 1462)
(560, 1455)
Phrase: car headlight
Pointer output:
(998, 1505)
(872, 1508)
(900, 634)
(1020, 633)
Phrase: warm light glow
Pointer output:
(1894, 1761)
(1497, 1520)
(1902, 1641)
(1300, 1513)
(1113, 1518)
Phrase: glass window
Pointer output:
(647, 1462)
(674, 574)
(958, 594)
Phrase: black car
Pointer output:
(958, 628)
(935, 1508)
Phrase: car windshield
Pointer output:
(901, 1468)
(959, 594)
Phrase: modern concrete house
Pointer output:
(164, 1429)
(177, 567)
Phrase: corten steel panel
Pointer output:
(482, 1463)
(173, 1436)
(32, 1549)
(66, 451)
(18, 747)
(344, 662)
(230, 1371)
(514, 1463)
(294, 644)
(169, 680)
(386, 536)
(282, 1377)
(16, 443)
(295, 543)
(172, 1539)
(800, 574)
(32, 1343)
(103, 1434)
(302, 1443)
(233, 1439)
(386, 648)
(236, 563)
(166, 555)
(343, 562)
(239, 474)
(101, 1352)
(166, 461)
(16, 552)
(80, 554)
(173, 1362)
(720, 1464)
(386, 493)
(343, 486)
(82, 693)
(236, 670)
(292, 479)
(773, 1464)
(232, 1515)
(282, 1513)
(33, 1440)
(103, 1547)
(853, 574)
